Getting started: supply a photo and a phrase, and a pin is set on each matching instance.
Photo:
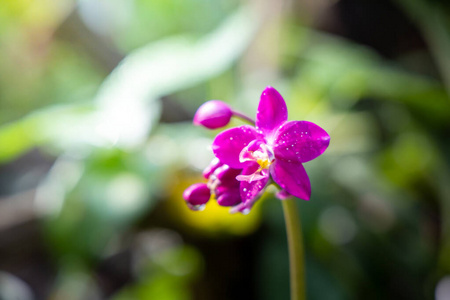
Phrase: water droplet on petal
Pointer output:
(231, 138)
(245, 211)
(196, 207)
(244, 189)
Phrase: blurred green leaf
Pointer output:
(61, 126)
(166, 275)
(348, 72)
(74, 282)
(163, 68)
(126, 107)
(434, 24)
(15, 139)
(88, 202)
(155, 19)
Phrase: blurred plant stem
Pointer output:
(295, 241)
(244, 117)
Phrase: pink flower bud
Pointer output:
(227, 175)
(213, 166)
(197, 195)
(228, 196)
(213, 114)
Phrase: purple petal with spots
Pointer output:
(300, 141)
(272, 111)
(250, 190)
(228, 144)
(291, 177)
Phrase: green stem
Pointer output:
(243, 117)
(295, 241)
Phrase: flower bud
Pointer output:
(227, 175)
(228, 196)
(213, 114)
(213, 166)
(197, 195)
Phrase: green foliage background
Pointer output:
(96, 147)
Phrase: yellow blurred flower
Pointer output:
(214, 219)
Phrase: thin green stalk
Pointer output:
(243, 117)
(295, 242)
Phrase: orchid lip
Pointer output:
(259, 152)
(251, 177)
(256, 152)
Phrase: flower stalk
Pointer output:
(296, 253)
(243, 117)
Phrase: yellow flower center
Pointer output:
(263, 163)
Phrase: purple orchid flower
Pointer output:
(273, 151)
(249, 158)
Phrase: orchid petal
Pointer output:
(246, 154)
(250, 178)
(291, 177)
(213, 166)
(228, 145)
(283, 195)
(243, 208)
(251, 189)
(272, 111)
(300, 141)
